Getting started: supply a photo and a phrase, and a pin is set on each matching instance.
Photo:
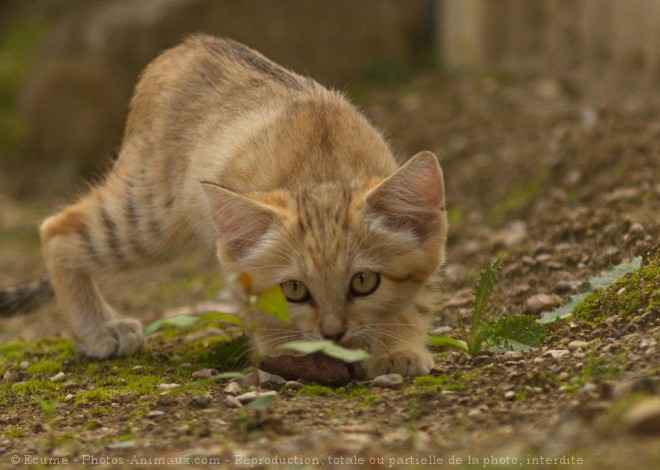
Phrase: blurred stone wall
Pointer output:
(594, 40)
(76, 94)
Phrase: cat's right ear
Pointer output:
(239, 221)
(412, 199)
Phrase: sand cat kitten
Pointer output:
(286, 180)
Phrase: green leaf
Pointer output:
(327, 347)
(514, 333)
(273, 302)
(262, 403)
(601, 281)
(177, 320)
(606, 278)
(447, 342)
(564, 311)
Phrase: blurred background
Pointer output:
(68, 67)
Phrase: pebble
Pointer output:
(556, 353)
(510, 395)
(634, 385)
(562, 287)
(455, 273)
(588, 388)
(155, 414)
(168, 386)
(293, 385)
(251, 396)
(474, 413)
(265, 378)
(577, 344)
(24, 365)
(636, 227)
(512, 235)
(233, 402)
(204, 373)
(512, 355)
(442, 330)
(232, 388)
(59, 377)
(542, 302)
(200, 401)
(643, 417)
(387, 381)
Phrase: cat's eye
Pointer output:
(364, 283)
(295, 291)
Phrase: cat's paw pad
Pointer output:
(408, 363)
(119, 337)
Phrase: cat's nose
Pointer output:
(337, 337)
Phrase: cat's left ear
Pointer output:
(239, 221)
(413, 198)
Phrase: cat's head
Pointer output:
(350, 257)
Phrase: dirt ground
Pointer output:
(559, 184)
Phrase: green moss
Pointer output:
(34, 387)
(65, 438)
(93, 396)
(370, 400)
(358, 392)
(636, 293)
(517, 200)
(430, 382)
(14, 433)
(316, 390)
(47, 367)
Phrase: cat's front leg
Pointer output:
(399, 347)
(73, 251)
(410, 362)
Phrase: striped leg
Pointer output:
(92, 237)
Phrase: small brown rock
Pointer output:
(316, 367)
(59, 377)
(251, 396)
(204, 373)
(232, 388)
(542, 302)
(387, 381)
(293, 385)
(578, 345)
(643, 417)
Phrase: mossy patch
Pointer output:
(431, 382)
(316, 390)
(44, 368)
(518, 200)
(636, 293)
(97, 385)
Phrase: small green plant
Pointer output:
(49, 409)
(510, 332)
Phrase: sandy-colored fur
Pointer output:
(297, 185)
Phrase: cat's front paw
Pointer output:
(406, 362)
(119, 337)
